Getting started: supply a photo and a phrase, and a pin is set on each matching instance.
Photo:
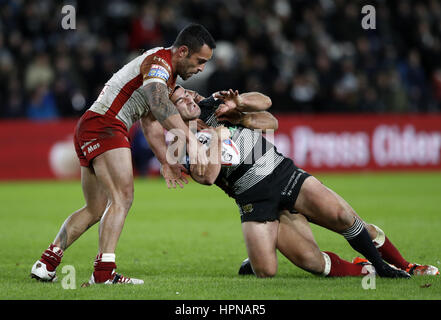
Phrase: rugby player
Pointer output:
(266, 196)
(140, 90)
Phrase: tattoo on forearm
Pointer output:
(156, 95)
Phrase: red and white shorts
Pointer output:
(96, 134)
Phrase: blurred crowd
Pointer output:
(308, 56)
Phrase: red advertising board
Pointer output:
(358, 142)
(29, 148)
(44, 150)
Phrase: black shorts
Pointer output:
(277, 192)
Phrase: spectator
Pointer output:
(436, 83)
(309, 56)
(391, 93)
(414, 79)
(346, 87)
(42, 104)
(146, 32)
(39, 72)
(304, 90)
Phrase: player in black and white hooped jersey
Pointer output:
(266, 185)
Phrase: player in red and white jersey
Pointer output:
(140, 90)
(121, 97)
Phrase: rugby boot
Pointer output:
(39, 271)
(44, 269)
(104, 273)
(245, 268)
(390, 271)
(367, 265)
(115, 278)
(415, 269)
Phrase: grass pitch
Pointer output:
(187, 244)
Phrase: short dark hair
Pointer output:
(194, 36)
(176, 88)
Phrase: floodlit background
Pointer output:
(359, 108)
(310, 57)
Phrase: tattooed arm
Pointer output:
(154, 134)
(156, 95)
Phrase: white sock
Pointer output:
(327, 264)
(108, 257)
(381, 237)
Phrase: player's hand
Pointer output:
(197, 153)
(172, 174)
(232, 100)
(202, 160)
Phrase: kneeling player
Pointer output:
(266, 183)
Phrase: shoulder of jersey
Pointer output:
(161, 57)
(157, 66)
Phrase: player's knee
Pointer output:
(373, 231)
(311, 261)
(96, 211)
(95, 218)
(127, 200)
(265, 271)
(342, 218)
(123, 198)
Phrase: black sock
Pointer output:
(359, 239)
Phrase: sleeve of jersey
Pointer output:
(210, 102)
(155, 70)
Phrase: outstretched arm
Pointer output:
(262, 120)
(154, 134)
(246, 109)
(244, 102)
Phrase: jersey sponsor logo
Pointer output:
(158, 73)
(165, 63)
(157, 66)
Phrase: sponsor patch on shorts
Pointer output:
(246, 208)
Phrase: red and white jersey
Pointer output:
(121, 97)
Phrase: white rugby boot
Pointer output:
(39, 271)
(104, 272)
(116, 278)
(44, 269)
